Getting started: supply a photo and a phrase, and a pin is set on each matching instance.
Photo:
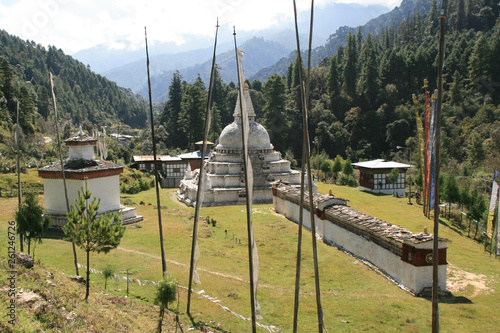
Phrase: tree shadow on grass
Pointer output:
(376, 194)
(54, 234)
(451, 226)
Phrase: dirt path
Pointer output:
(458, 280)
(237, 278)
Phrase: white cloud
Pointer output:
(78, 24)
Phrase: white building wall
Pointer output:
(81, 152)
(415, 278)
(106, 188)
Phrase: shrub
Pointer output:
(347, 180)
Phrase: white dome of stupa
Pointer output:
(230, 137)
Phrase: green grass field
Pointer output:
(354, 297)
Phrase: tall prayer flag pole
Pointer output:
(157, 176)
(19, 190)
(427, 169)
(62, 162)
(435, 262)
(195, 252)
(304, 90)
(247, 165)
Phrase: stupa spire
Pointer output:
(247, 100)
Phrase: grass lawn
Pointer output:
(354, 297)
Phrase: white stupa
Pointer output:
(102, 180)
(224, 182)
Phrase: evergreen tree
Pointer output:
(90, 231)
(349, 67)
(289, 76)
(220, 92)
(275, 118)
(479, 64)
(166, 292)
(31, 223)
(451, 193)
(256, 85)
(347, 169)
(107, 272)
(359, 41)
(27, 117)
(456, 90)
(475, 149)
(432, 19)
(170, 115)
(215, 123)
(337, 166)
(192, 117)
(460, 20)
(368, 85)
(393, 178)
(334, 87)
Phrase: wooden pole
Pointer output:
(199, 194)
(62, 163)
(19, 194)
(304, 90)
(249, 186)
(435, 262)
(157, 176)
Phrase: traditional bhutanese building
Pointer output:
(102, 178)
(374, 176)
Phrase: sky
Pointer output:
(74, 25)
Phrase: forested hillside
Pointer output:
(81, 94)
(361, 98)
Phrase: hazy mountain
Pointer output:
(124, 63)
(134, 75)
(259, 53)
(391, 19)
(105, 57)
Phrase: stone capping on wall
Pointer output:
(394, 238)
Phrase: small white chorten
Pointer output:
(102, 178)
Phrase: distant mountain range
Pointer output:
(125, 63)
(391, 19)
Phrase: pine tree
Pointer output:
(31, 223)
(368, 85)
(432, 19)
(334, 87)
(337, 166)
(215, 123)
(92, 233)
(219, 96)
(166, 293)
(479, 63)
(170, 115)
(456, 90)
(349, 67)
(289, 76)
(275, 118)
(192, 117)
